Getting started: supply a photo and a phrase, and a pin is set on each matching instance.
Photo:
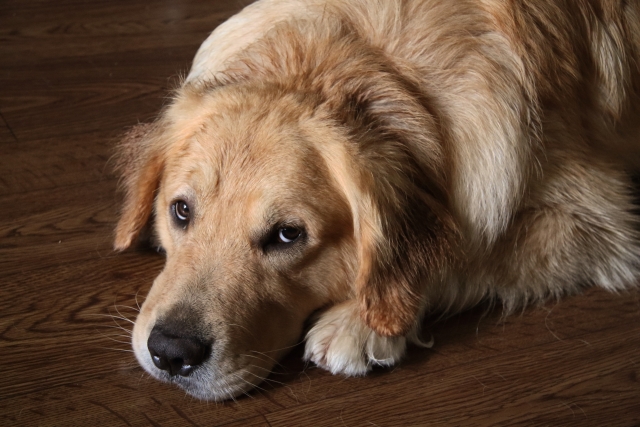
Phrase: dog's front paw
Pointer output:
(341, 343)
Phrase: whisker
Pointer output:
(115, 334)
(266, 369)
(268, 380)
(228, 390)
(112, 317)
(270, 358)
(136, 300)
(243, 327)
(118, 336)
(255, 357)
(248, 382)
(137, 310)
(123, 316)
(246, 393)
(284, 348)
(121, 328)
(264, 379)
(118, 341)
(116, 349)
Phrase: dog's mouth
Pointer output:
(217, 376)
(206, 384)
(184, 353)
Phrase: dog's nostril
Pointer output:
(159, 361)
(174, 354)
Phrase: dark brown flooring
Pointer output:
(73, 76)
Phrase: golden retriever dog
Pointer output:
(358, 164)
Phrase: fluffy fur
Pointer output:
(434, 153)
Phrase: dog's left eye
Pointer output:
(282, 237)
(181, 213)
(288, 234)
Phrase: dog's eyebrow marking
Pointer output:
(210, 175)
(216, 179)
(261, 234)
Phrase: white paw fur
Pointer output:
(341, 343)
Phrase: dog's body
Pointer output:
(380, 160)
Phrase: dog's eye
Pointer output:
(288, 234)
(180, 210)
(283, 238)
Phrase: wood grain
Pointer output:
(74, 76)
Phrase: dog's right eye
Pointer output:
(181, 214)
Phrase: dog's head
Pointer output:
(272, 202)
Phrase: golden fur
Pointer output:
(434, 153)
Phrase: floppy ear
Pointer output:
(140, 164)
(406, 233)
(403, 248)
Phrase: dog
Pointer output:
(358, 164)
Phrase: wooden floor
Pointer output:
(73, 76)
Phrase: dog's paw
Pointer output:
(341, 343)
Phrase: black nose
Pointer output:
(178, 355)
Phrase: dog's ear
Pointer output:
(405, 230)
(140, 163)
(406, 238)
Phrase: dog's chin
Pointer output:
(208, 381)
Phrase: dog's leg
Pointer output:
(579, 229)
(341, 342)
